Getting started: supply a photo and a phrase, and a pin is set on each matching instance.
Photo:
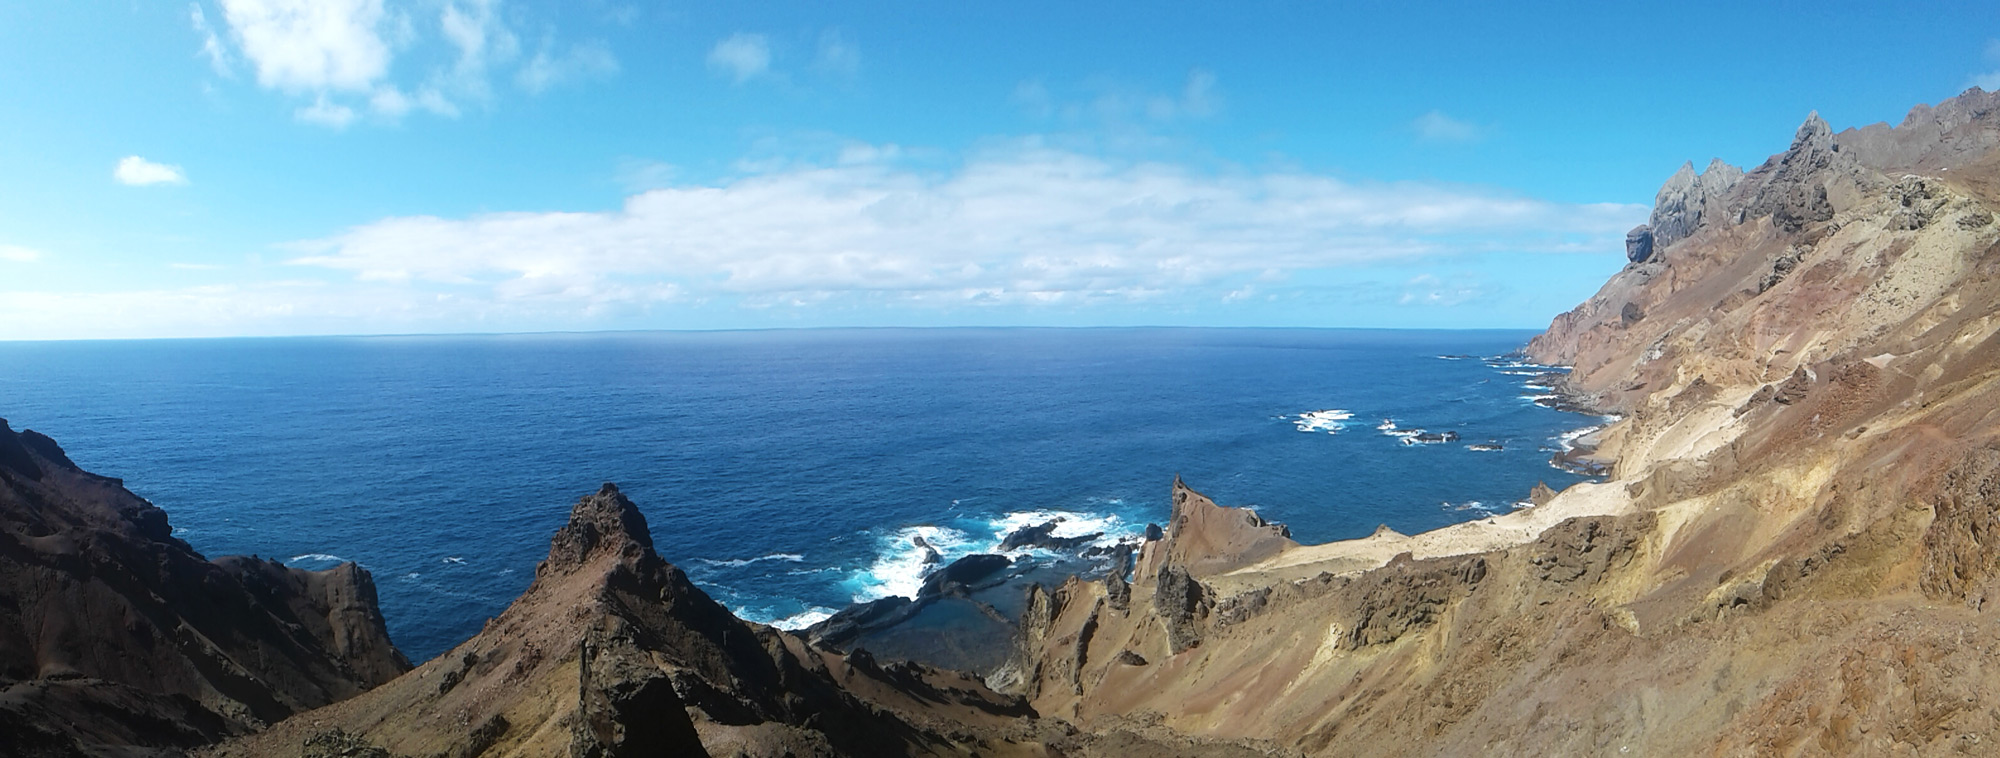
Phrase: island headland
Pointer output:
(1791, 553)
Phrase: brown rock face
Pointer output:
(1204, 538)
(1962, 545)
(117, 637)
(613, 652)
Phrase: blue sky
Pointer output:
(265, 167)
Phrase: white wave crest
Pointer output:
(733, 562)
(899, 567)
(1330, 420)
(803, 619)
(321, 557)
(1108, 526)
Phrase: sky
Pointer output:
(286, 167)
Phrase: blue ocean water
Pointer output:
(784, 470)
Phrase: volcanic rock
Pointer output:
(1043, 535)
(611, 651)
(1639, 244)
(118, 638)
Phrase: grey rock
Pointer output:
(1639, 244)
(1183, 603)
(1686, 202)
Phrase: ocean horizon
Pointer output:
(786, 470)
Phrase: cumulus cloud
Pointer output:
(134, 171)
(741, 57)
(393, 103)
(549, 68)
(339, 58)
(1024, 224)
(304, 46)
(1435, 126)
(18, 254)
(325, 113)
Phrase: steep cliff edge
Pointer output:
(1795, 552)
(117, 638)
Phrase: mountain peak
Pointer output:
(604, 521)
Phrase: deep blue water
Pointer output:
(785, 470)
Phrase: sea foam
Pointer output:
(1330, 420)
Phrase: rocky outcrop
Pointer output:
(613, 652)
(1183, 605)
(1043, 535)
(1962, 544)
(1684, 203)
(118, 638)
(1204, 538)
(1639, 244)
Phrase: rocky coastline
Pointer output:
(1791, 552)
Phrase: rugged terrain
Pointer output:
(1792, 554)
(117, 638)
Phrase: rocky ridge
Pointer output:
(118, 638)
(1792, 555)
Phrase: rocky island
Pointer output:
(1791, 553)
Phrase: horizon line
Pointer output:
(728, 330)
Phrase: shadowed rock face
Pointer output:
(114, 634)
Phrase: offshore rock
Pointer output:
(1043, 536)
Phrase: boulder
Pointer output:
(1639, 244)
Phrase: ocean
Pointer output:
(786, 471)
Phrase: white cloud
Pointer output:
(1429, 290)
(547, 69)
(211, 45)
(1020, 225)
(305, 46)
(392, 103)
(742, 57)
(18, 254)
(1989, 81)
(339, 58)
(476, 31)
(838, 56)
(1435, 126)
(1118, 103)
(325, 113)
(135, 171)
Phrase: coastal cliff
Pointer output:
(1791, 553)
(118, 638)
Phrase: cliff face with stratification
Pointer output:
(114, 634)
